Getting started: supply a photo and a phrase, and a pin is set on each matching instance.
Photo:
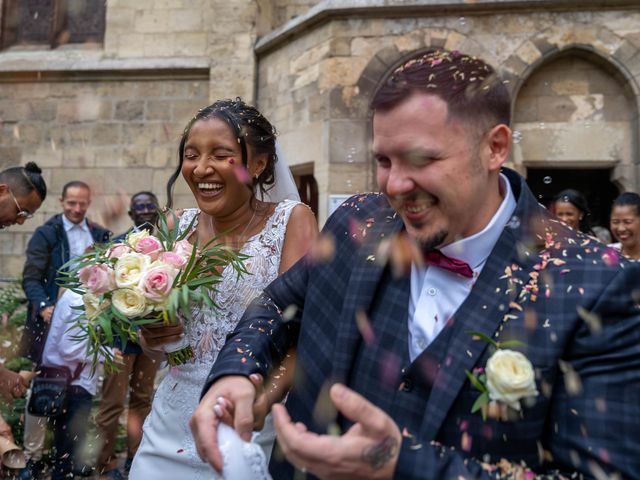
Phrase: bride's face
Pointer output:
(212, 167)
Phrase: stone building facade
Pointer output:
(112, 112)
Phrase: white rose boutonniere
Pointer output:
(510, 378)
(507, 379)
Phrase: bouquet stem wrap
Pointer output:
(179, 352)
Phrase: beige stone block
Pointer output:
(44, 156)
(528, 53)
(340, 72)
(31, 133)
(120, 19)
(9, 156)
(106, 134)
(180, 189)
(78, 135)
(194, 89)
(409, 42)
(558, 108)
(134, 156)
(158, 109)
(11, 265)
(41, 110)
(454, 40)
(161, 156)
(190, 44)
(184, 111)
(146, 133)
(74, 157)
(570, 86)
(108, 156)
(151, 21)
(575, 144)
(136, 179)
(13, 111)
(310, 57)
(80, 110)
(131, 45)
(159, 45)
(129, 110)
(189, 20)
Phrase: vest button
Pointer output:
(406, 385)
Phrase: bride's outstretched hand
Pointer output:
(238, 394)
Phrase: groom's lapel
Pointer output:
(365, 278)
(492, 301)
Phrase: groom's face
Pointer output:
(432, 169)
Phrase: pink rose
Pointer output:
(156, 282)
(118, 249)
(150, 246)
(98, 278)
(173, 259)
(183, 248)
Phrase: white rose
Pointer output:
(510, 378)
(93, 305)
(129, 269)
(134, 237)
(130, 302)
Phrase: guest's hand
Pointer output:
(230, 398)
(5, 430)
(12, 385)
(46, 313)
(369, 449)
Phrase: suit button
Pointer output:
(406, 385)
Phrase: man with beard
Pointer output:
(459, 331)
(135, 376)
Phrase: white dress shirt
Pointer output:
(79, 236)
(61, 349)
(436, 293)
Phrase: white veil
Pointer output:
(284, 186)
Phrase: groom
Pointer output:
(454, 259)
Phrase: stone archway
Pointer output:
(596, 101)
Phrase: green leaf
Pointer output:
(510, 343)
(480, 402)
(475, 382)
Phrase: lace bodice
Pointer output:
(209, 329)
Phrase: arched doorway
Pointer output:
(574, 127)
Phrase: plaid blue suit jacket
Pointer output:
(565, 296)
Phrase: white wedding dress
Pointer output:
(168, 449)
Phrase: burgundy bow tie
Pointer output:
(440, 260)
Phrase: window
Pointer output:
(52, 23)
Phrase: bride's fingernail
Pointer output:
(218, 411)
(221, 401)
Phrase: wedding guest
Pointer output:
(454, 258)
(62, 349)
(625, 224)
(22, 191)
(62, 238)
(134, 378)
(571, 207)
(243, 188)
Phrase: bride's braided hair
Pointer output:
(249, 126)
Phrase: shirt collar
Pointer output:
(68, 224)
(476, 249)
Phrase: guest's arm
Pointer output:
(34, 272)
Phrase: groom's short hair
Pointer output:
(470, 87)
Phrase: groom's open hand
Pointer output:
(368, 450)
(239, 394)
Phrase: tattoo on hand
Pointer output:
(378, 455)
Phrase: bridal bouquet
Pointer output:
(145, 280)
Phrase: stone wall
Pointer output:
(118, 135)
(318, 82)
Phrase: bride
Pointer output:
(227, 156)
